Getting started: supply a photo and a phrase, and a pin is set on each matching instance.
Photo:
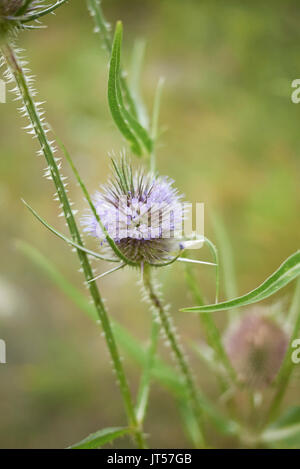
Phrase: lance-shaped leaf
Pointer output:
(288, 271)
(67, 240)
(131, 129)
(100, 438)
(102, 27)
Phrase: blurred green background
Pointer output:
(231, 141)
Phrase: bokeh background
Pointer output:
(231, 140)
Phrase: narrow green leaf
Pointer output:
(67, 240)
(115, 108)
(136, 127)
(100, 438)
(127, 124)
(102, 27)
(287, 272)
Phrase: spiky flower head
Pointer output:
(141, 212)
(256, 346)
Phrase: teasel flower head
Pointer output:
(141, 212)
(256, 346)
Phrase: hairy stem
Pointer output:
(168, 328)
(32, 109)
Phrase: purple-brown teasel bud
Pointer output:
(8, 13)
(10, 7)
(256, 347)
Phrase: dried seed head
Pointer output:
(256, 347)
(142, 213)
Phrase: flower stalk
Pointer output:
(34, 113)
(168, 328)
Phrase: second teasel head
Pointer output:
(256, 346)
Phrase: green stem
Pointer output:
(34, 115)
(167, 326)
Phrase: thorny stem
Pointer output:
(41, 133)
(167, 326)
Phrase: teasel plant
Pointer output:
(129, 196)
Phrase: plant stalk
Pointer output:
(176, 348)
(32, 109)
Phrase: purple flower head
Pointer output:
(256, 347)
(141, 212)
